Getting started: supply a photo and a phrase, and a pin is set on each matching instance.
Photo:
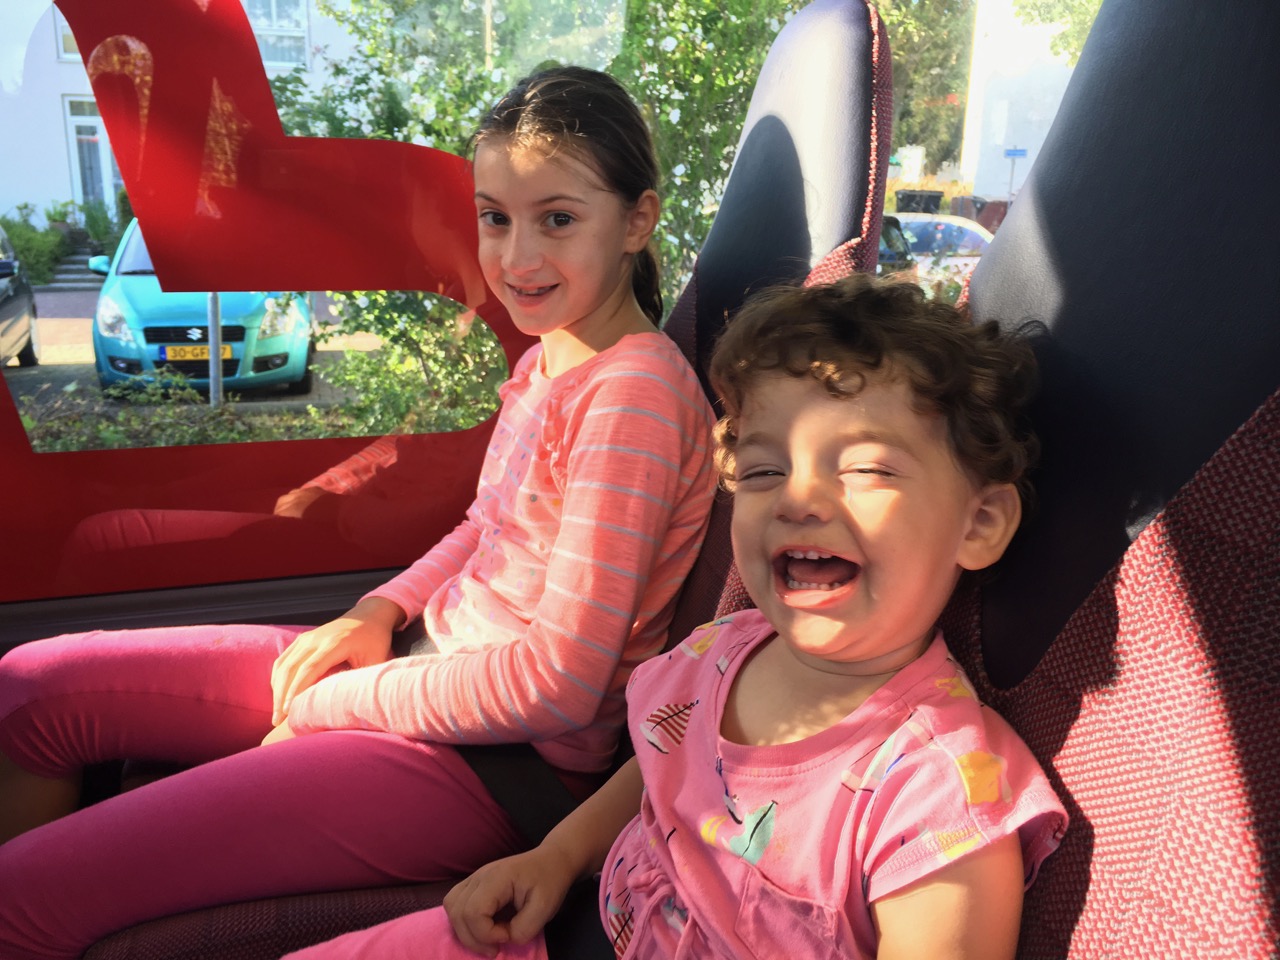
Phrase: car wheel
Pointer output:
(299, 387)
(27, 355)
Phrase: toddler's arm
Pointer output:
(969, 910)
(511, 900)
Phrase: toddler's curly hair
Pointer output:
(978, 377)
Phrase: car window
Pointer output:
(326, 243)
(134, 258)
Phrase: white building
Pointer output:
(55, 147)
(1015, 88)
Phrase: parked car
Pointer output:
(138, 330)
(895, 251)
(946, 248)
(17, 309)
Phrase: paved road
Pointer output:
(64, 338)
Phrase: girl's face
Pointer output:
(852, 520)
(556, 244)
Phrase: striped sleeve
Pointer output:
(637, 480)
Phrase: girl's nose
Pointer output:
(805, 498)
(522, 252)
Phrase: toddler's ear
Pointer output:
(997, 511)
(642, 220)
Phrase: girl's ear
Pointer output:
(642, 220)
(997, 511)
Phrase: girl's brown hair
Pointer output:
(977, 377)
(591, 115)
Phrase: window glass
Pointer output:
(67, 49)
(281, 29)
(408, 368)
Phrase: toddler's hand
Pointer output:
(509, 901)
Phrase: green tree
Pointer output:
(424, 72)
(1073, 17)
(931, 42)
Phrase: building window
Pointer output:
(281, 29)
(95, 177)
(67, 49)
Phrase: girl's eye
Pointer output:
(559, 219)
(872, 472)
(492, 218)
(756, 473)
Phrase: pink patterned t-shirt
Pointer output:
(778, 851)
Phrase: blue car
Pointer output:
(139, 329)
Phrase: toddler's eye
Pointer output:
(872, 472)
(492, 218)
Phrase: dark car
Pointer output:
(895, 251)
(17, 309)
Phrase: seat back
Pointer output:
(803, 201)
(1133, 635)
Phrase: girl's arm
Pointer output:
(411, 589)
(639, 486)
(969, 910)
(363, 635)
(534, 884)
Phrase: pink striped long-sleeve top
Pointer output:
(591, 506)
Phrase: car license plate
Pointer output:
(192, 353)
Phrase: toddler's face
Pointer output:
(852, 520)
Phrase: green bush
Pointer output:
(39, 250)
(436, 370)
(124, 208)
(167, 413)
(100, 226)
(60, 211)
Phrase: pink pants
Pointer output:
(412, 937)
(333, 810)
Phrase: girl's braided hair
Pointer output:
(591, 116)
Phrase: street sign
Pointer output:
(1016, 152)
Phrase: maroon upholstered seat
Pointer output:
(1155, 713)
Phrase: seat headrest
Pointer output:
(1139, 240)
(808, 176)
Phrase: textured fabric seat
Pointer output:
(1133, 634)
(807, 188)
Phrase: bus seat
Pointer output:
(805, 194)
(1133, 634)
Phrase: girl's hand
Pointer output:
(281, 732)
(509, 901)
(360, 637)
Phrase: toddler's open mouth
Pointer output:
(814, 570)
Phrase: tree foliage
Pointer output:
(1073, 17)
(931, 42)
(424, 72)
